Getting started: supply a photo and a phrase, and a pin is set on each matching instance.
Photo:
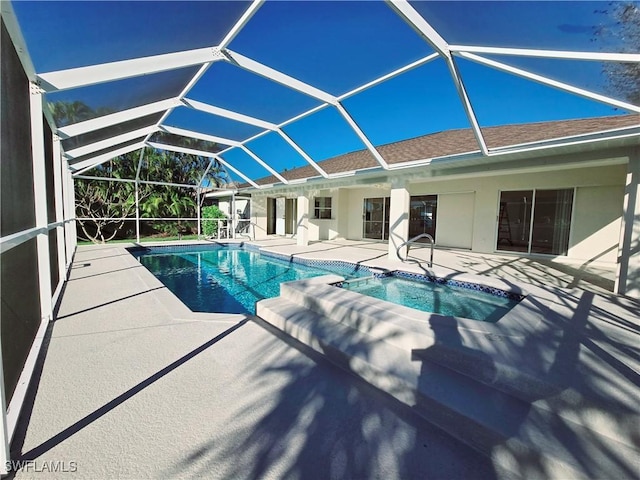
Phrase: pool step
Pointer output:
(494, 423)
(435, 336)
(402, 358)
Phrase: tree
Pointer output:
(621, 33)
(210, 216)
(97, 200)
(100, 200)
(171, 201)
(67, 113)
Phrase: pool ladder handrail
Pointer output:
(414, 240)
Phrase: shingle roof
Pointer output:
(456, 142)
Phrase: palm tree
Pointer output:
(68, 113)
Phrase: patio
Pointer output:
(131, 384)
(344, 129)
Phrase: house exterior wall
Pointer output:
(259, 216)
(225, 204)
(324, 228)
(468, 205)
(597, 208)
(597, 222)
(468, 208)
(459, 208)
(355, 205)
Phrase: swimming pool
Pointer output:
(438, 297)
(231, 279)
(228, 278)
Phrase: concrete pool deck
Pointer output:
(134, 385)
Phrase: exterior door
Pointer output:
(271, 216)
(376, 218)
(535, 221)
(423, 211)
(290, 215)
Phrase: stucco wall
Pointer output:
(468, 208)
(225, 205)
(325, 229)
(259, 216)
(456, 229)
(355, 206)
(596, 223)
(343, 210)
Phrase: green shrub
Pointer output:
(210, 226)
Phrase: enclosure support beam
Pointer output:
(246, 16)
(69, 212)
(198, 207)
(58, 187)
(108, 72)
(11, 414)
(277, 76)
(138, 195)
(40, 199)
(116, 118)
(302, 153)
(86, 165)
(404, 9)
(264, 164)
(109, 142)
(466, 104)
(550, 82)
(236, 171)
(363, 137)
(628, 277)
(234, 216)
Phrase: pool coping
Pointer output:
(509, 325)
(172, 304)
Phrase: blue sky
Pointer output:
(334, 46)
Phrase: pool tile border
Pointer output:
(311, 262)
(456, 283)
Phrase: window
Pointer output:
(322, 207)
(535, 221)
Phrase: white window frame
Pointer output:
(318, 209)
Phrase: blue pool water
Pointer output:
(228, 279)
(436, 297)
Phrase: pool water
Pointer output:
(228, 279)
(436, 297)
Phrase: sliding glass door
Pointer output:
(514, 221)
(552, 221)
(376, 218)
(423, 211)
(535, 221)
